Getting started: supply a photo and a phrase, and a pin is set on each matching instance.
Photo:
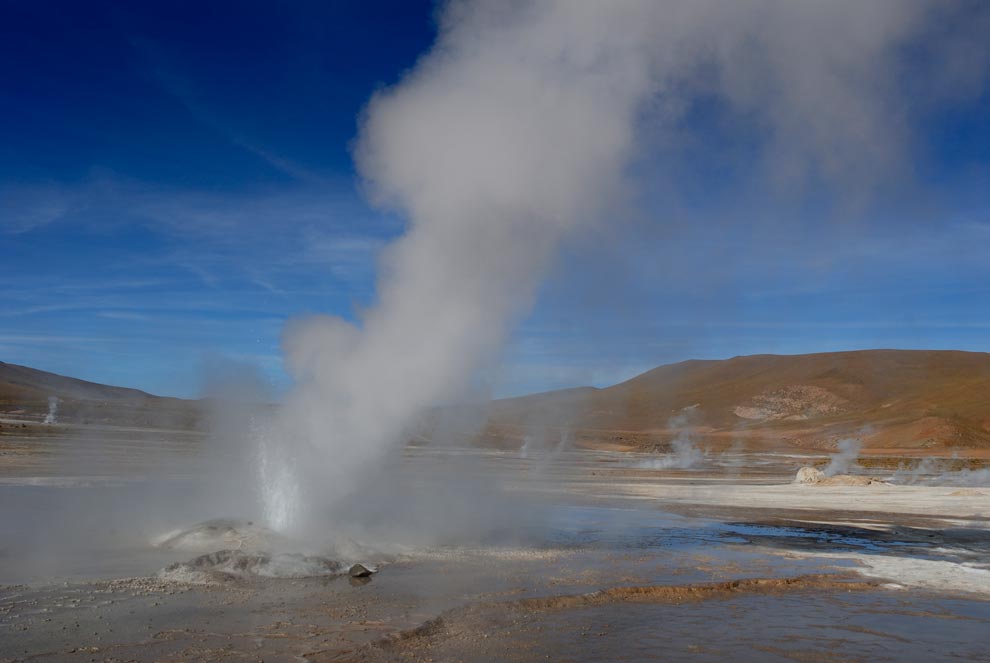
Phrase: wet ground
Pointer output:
(611, 561)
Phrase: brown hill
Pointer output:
(25, 394)
(893, 399)
(905, 399)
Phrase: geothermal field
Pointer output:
(124, 541)
(486, 331)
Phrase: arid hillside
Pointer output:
(896, 400)
(893, 399)
(27, 393)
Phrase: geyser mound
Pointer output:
(220, 534)
(809, 475)
(812, 476)
(237, 550)
(227, 565)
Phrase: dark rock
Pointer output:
(360, 571)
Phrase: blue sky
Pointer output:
(176, 183)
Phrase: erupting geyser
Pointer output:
(516, 132)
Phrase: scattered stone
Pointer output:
(361, 571)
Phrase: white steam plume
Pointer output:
(513, 134)
(52, 410)
(684, 454)
(845, 457)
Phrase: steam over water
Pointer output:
(516, 133)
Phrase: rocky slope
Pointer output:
(905, 399)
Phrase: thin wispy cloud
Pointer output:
(25, 209)
(181, 88)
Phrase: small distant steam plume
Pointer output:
(527, 445)
(52, 410)
(541, 445)
(684, 453)
(942, 472)
(845, 458)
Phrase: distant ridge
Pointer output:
(892, 398)
(25, 393)
(35, 383)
